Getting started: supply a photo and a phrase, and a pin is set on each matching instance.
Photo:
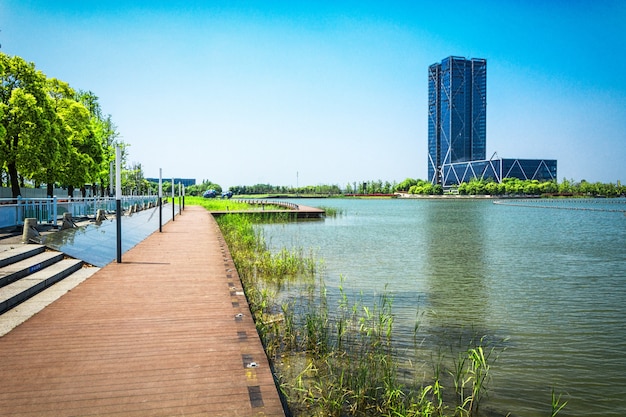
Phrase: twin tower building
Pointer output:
(457, 127)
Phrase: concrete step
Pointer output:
(24, 288)
(23, 311)
(10, 254)
(15, 271)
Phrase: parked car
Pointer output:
(209, 194)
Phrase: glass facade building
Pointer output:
(497, 169)
(184, 181)
(457, 113)
(457, 128)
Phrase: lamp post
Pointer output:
(118, 201)
(180, 197)
(160, 200)
(173, 200)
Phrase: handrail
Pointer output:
(286, 204)
(13, 211)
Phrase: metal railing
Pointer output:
(263, 203)
(50, 210)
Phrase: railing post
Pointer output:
(49, 209)
(118, 201)
(19, 211)
(55, 209)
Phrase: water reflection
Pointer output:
(96, 244)
(455, 270)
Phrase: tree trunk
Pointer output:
(13, 176)
(49, 189)
(70, 191)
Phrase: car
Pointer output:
(209, 194)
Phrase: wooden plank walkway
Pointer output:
(166, 332)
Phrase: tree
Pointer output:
(30, 126)
(566, 186)
(494, 188)
(406, 185)
(133, 181)
(199, 189)
(105, 136)
(75, 161)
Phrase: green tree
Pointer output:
(531, 187)
(80, 150)
(105, 137)
(30, 126)
(549, 187)
(566, 186)
(134, 183)
(494, 188)
(406, 185)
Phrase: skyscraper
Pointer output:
(457, 113)
(457, 129)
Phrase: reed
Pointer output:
(557, 404)
(332, 211)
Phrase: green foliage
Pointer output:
(515, 187)
(557, 404)
(47, 133)
(407, 184)
(332, 211)
(322, 190)
(199, 189)
(418, 187)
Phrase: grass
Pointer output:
(218, 204)
(332, 211)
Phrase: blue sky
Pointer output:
(315, 92)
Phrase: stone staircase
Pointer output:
(27, 271)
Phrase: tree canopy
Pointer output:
(49, 133)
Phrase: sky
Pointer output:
(301, 93)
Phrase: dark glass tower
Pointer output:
(457, 113)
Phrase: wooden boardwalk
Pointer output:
(299, 212)
(166, 332)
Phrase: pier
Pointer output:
(297, 211)
(166, 332)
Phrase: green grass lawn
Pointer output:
(217, 204)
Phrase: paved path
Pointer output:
(156, 335)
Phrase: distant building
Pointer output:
(184, 181)
(457, 128)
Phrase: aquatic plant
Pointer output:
(332, 211)
(557, 404)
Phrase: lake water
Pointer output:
(550, 282)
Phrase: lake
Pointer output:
(545, 279)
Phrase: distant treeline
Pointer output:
(514, 186)
(509, 186)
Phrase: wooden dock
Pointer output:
(298, 211)
(166, 332)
